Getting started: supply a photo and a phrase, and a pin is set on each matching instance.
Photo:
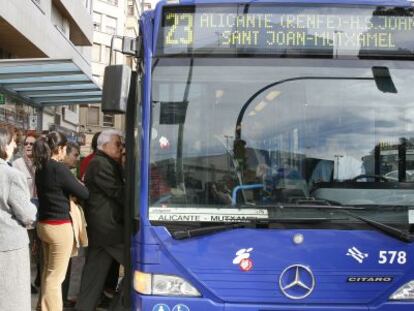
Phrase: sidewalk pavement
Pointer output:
(75, 279)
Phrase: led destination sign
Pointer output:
(281, 29)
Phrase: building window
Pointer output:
(73, 108)
(93, 116)
(108, 120)
(107, 50)
(131, 8)
(97, 21)
(96, 52)
(110, 25)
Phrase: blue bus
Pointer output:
(270, 155)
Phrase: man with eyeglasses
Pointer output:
(25, 165)
(104, 216)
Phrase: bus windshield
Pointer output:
(252, 131)
(326, 131)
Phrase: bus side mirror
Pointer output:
(117, 81)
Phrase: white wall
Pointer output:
(37, 24)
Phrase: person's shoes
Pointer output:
(104, 304)
(109, 293)
(33, 289)
(69, 303)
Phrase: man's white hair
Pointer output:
(105, 137)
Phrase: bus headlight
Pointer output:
(405, 292)
(163, 285)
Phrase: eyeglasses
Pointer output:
(28, 143)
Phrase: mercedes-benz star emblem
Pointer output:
(297, 282)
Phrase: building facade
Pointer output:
(111, 19)
(43, 29)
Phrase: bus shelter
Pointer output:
(48, 82)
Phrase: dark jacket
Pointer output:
(104, 208)
(55, 183)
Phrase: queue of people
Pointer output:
(37, 197)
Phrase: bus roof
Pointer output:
(400, 3)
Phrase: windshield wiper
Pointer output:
(247, 223)
(345, 209)
(315, 205)
(399, 234)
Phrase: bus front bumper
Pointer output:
(158, 303)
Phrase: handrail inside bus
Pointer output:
(243, 187)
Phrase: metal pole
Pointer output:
(142, 6)
(111, 50)
(39, 113)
